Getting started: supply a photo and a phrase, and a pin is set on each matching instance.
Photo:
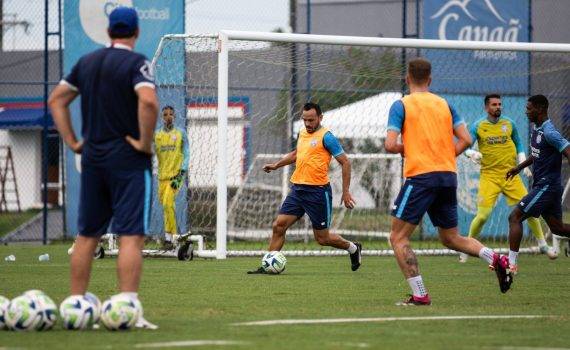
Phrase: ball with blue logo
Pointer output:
(274, 262)
(47, 308)
(4, 302)
(120, 312)
(77, 313)
(23, 314)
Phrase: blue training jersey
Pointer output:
(546, 147)
(107, 80)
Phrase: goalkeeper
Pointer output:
(499, 149)
(171, 149)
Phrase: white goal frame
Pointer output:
(224, 38)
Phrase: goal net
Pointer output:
(239, 96)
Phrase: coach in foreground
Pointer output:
(119, 108)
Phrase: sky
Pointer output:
(202, 16)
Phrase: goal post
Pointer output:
(355, 79)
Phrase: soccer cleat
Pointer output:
(142, 323)
(259, 271)
(415, 301)
(549, 251)
(513, 269)
(356, 257)
(501, 267)
(463, 257)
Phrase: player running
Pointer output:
(118, 109)
(545, 197)
(171, 149)
(310, 191)
(428, 125)
(499, 148)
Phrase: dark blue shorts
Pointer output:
(316, 201)
(121, 195)
(417, 198)
(545, 200)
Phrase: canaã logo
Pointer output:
(94, 16)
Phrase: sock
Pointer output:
(351, 248)
(417, 286)
(131, 295)
(167, 237)
(536, 229)
(487, 254)
(479, 221)
(513, 257)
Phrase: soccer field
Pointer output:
(200, 304)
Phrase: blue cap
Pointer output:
(123, 20)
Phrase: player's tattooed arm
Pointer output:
(411, 261)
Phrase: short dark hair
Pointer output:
(311, 105)
(167, 107)
(419, 70)
(114, 35)
(490, 96)
(539, 101)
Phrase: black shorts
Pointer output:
(121, 195)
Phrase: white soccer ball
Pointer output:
(4, 302)
(274, 262)
(23, 314)
(46, 306)
(77, 313)
(120, 312)
(96, 305)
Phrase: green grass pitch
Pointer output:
(203, 299)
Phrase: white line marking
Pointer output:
(529, 348)
(184, 343)
(386, 319)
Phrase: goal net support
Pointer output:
(239, 96)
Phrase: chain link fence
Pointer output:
(30, 149)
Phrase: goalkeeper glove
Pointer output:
(521, 158)
(474, 156)
(176, 181)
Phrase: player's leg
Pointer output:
(317, 203)
(131, 196)
(443, 215)
(514, 190)
(280, 226)
(170, 210)
(291, 210)
(94, 216)
(553, 215)
(410, 206)
(489, 190)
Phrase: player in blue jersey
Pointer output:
(545, 197)
(119, 109)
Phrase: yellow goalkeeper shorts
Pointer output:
(491, 186)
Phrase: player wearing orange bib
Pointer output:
(428, 125)
(310, 191)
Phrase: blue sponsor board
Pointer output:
(86, 24)
(477, 71)
(471, 109)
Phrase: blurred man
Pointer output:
(171, 149)
(499, 148)
(118, 109)
(428, 125)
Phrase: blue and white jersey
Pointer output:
(107, 80)
(546, 147)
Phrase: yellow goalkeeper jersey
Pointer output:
(499, 144)
(171, 148)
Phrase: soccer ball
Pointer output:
(274, 262)
(23, 314)
(120, 312)
(4, 302)
(46, 306)
(77, 312)
(96, 305)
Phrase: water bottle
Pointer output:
(43, 257)
(10, 258)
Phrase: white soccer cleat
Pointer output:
(550, 252)
(142, 323)
(70, 250)
(463, 257)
